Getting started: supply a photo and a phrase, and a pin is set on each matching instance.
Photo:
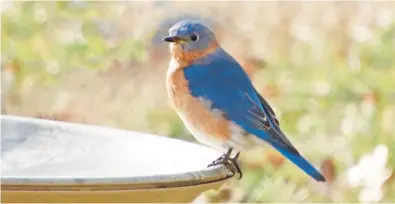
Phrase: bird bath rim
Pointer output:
(189, 178)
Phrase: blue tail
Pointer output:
(301, 163)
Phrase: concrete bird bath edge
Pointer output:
(52, 161)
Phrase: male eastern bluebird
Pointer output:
(216, 100)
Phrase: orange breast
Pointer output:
(196, 111)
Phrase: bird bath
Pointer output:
(52, 161)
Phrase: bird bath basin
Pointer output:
(51, 161)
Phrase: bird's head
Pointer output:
(191, 38)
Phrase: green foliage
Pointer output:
(38, 33)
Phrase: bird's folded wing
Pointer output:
(266, 105)
(229, 90)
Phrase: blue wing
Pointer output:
(222, 81)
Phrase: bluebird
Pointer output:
(217, 101)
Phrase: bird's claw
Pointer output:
(236, 166)
(231, 163)
(221, 160)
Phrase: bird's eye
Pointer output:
(194, 37)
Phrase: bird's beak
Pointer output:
(173, 39)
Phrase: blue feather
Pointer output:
(301, 162)
(221, 80)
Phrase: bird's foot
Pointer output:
(231, 163)
(221, 160)
(224, 159)
(236, 166)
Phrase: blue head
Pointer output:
(191, 36)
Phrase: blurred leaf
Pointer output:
(90, 28)
(328, 169)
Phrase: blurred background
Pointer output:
(327, 68)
